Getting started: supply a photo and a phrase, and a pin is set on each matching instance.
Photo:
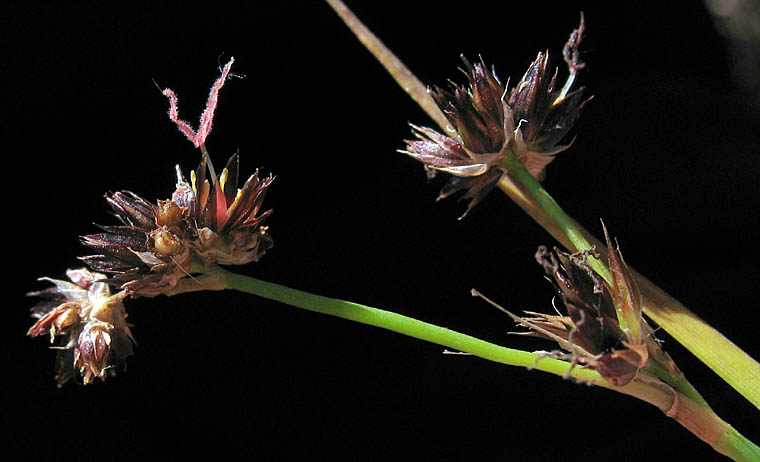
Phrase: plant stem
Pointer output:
(565, 224)
(402, 325)
(395, 67)
(716, 351)
(694, 416)
(678, 382)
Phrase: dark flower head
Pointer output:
(489, 123)
(603, 328)
(543, 113)
(482, 130)
(591, 331)
(86, 323)
(207, 220)
(476, 111)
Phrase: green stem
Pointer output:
(694, 416)
(402, 325)
(740, 447)
(562, 220)
(679, 383)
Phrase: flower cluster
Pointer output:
(489, 122)
(603, 328)
(208, 220)
(87, 324)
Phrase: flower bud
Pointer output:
(91, 353)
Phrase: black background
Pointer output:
(665, 154)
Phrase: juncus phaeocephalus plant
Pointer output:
(490, 135)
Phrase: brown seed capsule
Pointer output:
(165, 243)
(168, 213)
